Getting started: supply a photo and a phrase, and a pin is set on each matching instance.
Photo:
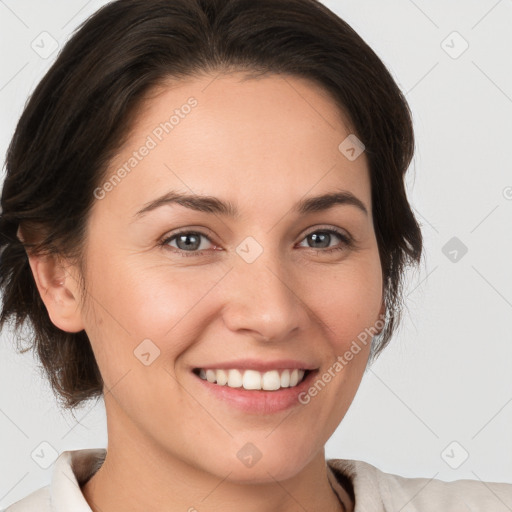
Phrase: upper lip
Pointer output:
(259, 365)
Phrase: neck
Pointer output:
(138, 475)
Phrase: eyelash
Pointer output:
(347, 242)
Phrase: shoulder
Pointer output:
(387, 491)
(37, 500)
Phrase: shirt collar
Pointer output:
(370, 491)
(73, 468)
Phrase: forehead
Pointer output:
(252, 141)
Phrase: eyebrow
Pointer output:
(210, 204)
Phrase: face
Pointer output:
(272, 289)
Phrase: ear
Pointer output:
(59, 290)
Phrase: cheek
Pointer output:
(347, 301)
(134, 301)
(166, 301)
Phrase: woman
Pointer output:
(204, 219)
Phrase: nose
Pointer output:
(263, 299)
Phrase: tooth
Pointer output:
(285, 379)
(271, 380)
(252, 379)
(222, 377)
(234, 379)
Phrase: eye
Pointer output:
(187, 242)
(322, 237)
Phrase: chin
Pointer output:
(252, 466)
(264, 473)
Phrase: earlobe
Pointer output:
(58, 291)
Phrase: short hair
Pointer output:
(82, 110)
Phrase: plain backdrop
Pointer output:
(438, 402)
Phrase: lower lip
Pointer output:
(259, 401)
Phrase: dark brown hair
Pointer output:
(82, 110)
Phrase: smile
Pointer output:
(272, 380)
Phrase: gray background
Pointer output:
(443, 390)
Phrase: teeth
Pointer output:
(222, 377)
(271, 380)
(285, 379)
(234, 379)
(251, 379)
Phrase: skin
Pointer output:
(262, 144)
